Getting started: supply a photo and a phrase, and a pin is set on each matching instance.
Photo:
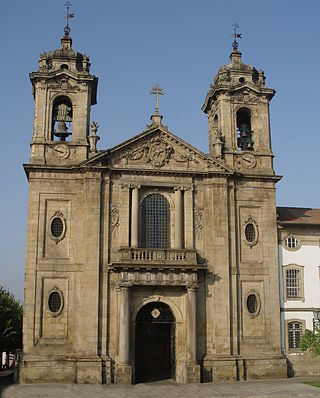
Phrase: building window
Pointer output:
(155, 222)
(252, 303)
(293, 282)
(294, 335)
(316, 319)
(291, 243)
(251, 232)
(57, 227)
(55, 302)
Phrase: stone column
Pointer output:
(188, 219)
(192, 324)
(178, 219)
(135, 217)
(124, 333)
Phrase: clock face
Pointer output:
(61, 151)
(248, 160)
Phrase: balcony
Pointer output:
(157, 258)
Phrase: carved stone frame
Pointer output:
(251, 220)
(256, 294)
(57, 239)
(291, 249)
(301, 269)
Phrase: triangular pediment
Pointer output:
(157, 149)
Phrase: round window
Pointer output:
(56, 227)
(250, 232)
(291, 242)
(55, 302)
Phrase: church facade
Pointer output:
(150, 260)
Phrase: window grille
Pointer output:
(252, 303)
(293, 282)
(163, 314)
(294, 335)
(54, 302)
(291, 242)
(250, 232)
(57, 227)
(155, 222)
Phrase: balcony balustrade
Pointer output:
(157, 257)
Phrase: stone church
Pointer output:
(150, 260)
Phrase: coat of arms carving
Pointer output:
(157, 152)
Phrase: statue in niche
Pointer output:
(198, 224)
(218, 144)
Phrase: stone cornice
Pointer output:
(231, 90)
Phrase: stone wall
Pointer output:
(303, 365)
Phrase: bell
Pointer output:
(62, 131)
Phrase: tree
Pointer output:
(10, 321)
(310, 342)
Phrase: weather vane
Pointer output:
(235, 36)
(68, 16)
(157, 90)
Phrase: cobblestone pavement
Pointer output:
(269, 388)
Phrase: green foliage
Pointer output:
(10, 321)
(310, 342)
(315, 383)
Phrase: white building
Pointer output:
(299, 273)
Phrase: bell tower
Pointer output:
(237, 106)
(64, 91)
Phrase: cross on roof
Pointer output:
(68, 16)
(157, 90)
(235, 36)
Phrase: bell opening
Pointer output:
(61, 119)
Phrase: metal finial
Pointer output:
(235, 36)
(157, 90)
(68, 16)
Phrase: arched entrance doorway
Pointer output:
(155, 343)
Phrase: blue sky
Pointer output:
(179, 44)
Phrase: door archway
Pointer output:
(154, 343)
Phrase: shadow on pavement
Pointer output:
(6, 379)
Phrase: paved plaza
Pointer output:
(270, 388)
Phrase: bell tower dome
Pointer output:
(64, 91)
(237, 106)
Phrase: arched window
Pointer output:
(244, 133)
(61, 118)
(155, 222)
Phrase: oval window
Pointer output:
(55, 302)
(291, 242)
(250, 232)
(252, 303)
(56, 227)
